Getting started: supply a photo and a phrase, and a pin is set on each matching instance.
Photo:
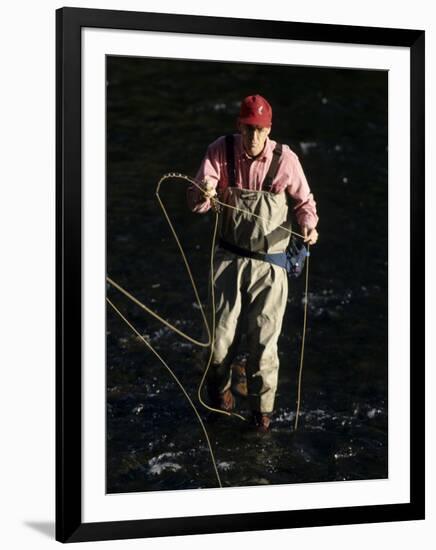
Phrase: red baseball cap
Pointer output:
(255, 110)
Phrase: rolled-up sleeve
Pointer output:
(304, 202)
(210, 171)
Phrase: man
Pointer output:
(255, 175)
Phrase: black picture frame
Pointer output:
(69, 524)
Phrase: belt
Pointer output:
(280, 258)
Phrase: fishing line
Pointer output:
(303, 339)
(211, 334)
(158, 317)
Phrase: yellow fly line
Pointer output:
(209, 330)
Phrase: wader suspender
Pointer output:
(230, 157)
(273, 167)
(272, 171)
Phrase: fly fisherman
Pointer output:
(251, 172)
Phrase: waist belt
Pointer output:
(279, 258)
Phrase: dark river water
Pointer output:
(161, 115)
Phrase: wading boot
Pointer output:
(224, 401)
(239, 385)
(261, 422)
(258, 426)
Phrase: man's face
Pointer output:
(253, 138)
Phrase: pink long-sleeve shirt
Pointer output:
(250, 174)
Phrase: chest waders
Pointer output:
(251, 285)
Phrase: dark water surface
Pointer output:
(161, 116)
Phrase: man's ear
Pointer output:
(269, 130)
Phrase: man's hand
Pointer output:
(310, 235)
(209, 190)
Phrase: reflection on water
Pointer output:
(161, 116)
